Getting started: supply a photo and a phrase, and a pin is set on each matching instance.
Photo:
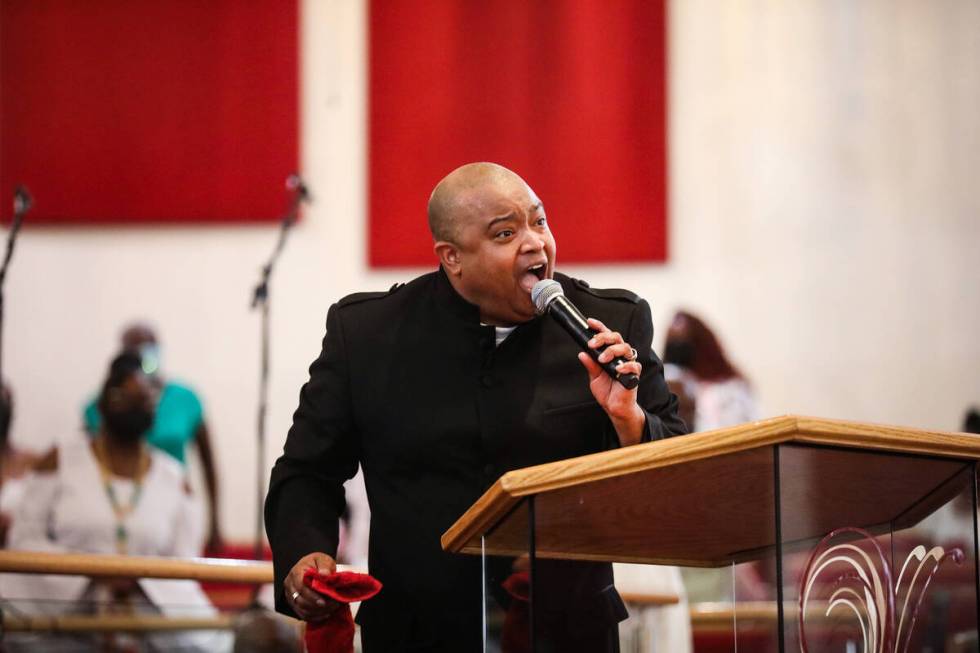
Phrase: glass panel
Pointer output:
(934, 561)
(712, 601)
(850, 521)
(734, 606)
(756, 622)
(659, 614)
(97, 624)
(176, 619)
(724, 514)
(575, 605)
(506, 584)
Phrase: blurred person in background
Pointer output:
(721, 395)
(14, 464)
(111, 494)
(179, 420)
(683, 388)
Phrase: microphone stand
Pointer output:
(260, 300)
(22, 204)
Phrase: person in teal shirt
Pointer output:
(179, 419)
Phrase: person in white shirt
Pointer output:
(111, 495)
(722, 395)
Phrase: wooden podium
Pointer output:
(866, 535)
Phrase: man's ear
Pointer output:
(448, 256)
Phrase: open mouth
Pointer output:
(532, 275)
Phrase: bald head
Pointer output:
(492, 240)
(459, 190)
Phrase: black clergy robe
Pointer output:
(411, 386)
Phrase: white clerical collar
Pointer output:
(501, 332)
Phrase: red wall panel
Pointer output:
(122, 111)
(571, 94)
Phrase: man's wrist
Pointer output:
(629, 427)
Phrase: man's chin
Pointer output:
(519, 315)
(526, 309)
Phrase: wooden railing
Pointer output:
(216, 570)
(704, 616)
(101, 566)
(113, 623)
(643, 600)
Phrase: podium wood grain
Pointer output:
(708, 499)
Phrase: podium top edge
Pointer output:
(513, 486)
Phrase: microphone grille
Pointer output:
(543, 293)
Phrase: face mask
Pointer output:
(150, 357)
(680, 353)
(129, 424)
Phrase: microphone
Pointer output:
(548, 297)
(301, 194)
(295, 183)
(22, 200)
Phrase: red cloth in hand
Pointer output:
(336, 633)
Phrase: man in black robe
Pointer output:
(435, 389)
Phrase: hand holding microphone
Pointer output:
(592, 335)
(614, 372)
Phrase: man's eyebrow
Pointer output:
(535, 207)
(500, 218)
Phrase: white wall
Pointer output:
(825, 219)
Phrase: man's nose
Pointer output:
(532, 242)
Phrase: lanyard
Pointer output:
(121, 510)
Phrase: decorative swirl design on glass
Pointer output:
(861, 579)
(936, 556)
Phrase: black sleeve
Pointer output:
(306, 490)
(654, 397)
